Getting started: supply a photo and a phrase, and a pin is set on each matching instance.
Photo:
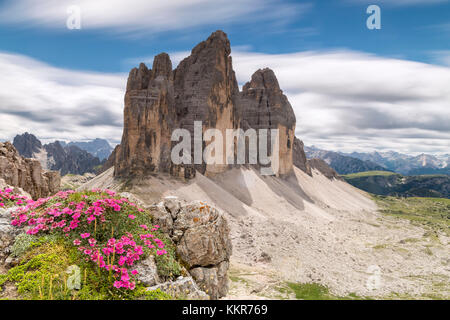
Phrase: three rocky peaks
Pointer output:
(202, 88)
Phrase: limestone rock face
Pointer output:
(201, 236)
(7, 233)
(264, 106)
(26, 173)
(299, 156)
(27, 144)
(324, 168)
(149, 118)
(202, 88)
(148, 272)
(206, 90)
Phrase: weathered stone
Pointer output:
(299, 156)
(205, 239)
(7, 234)
(26, 173)
(148, 272)
(324, 168)
(214, 281)
(201, 236)
(182, 288)
(162, 217)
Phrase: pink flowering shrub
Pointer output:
(9, 199)
(108, 231)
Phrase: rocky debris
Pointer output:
(182, 288)
(148, 272)
(299, 156)
(7, 235)
(201, 236)
(57, 156)
(26, 173)
(202, 88)
(214, 280)
(73, 181)
(324, 168)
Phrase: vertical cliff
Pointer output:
(202, 88)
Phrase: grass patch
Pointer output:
(314, 291)
(432, 213)
(369, 174)
(42, 274)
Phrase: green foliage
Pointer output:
(315, 291)
(45, 259)
(369, 174)
(168, 265)
(42, 275)
(432, 213)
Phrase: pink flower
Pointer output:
(85, 235)
(134, 272)
(143, 226)
(76, 242)
(132, 217)
(117, 284)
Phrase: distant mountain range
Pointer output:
(345, 163)
(394, 184)
(67, 158)
(341, 163)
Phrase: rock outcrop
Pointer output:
(323, 168)
(57, 155)
(202, 88)
(26, 173)
(201, 236)
(299, 156)
(27, 145)
(182, 288)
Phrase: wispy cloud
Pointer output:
(149, 16)
(55, 103)
(350, 100)
(344, 100)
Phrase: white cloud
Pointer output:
(350, 100)
(149, 16)
(343, 100)
(399, 3)
(57, 103)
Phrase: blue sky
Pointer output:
(412, 46)
(410, 31)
